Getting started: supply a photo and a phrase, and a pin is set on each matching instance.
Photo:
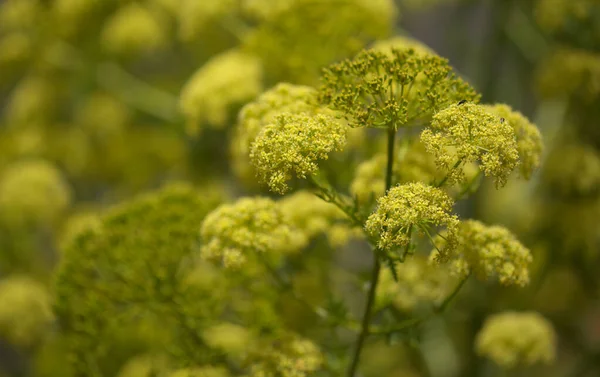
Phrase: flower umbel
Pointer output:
(410, 207)
(469, 133)
(511, 339)
(293, 144)
(282, 98)
(251, 225)
(488, 252)
(383, 90)
(529, 139)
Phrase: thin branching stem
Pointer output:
(368, 313)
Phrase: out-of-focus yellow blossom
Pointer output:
(399, 42)
(469, 133)
(32, 100)
(289, 356)
(196, 18)
(20, 14)
(265, 9)
(293, 144)
(14, 49)
(297, 40)
(489, 252)
(573, 171)
(33, 193)
(282, 98)
(227, 80)
(250, 225)
(513, 339)
(228, 337)
(77, 224)
(71, 16)
(389, 90)
(570, 71)
(200, 372)
(132, 267)
(556, 15)
(102, 116)
(144, 366)
(411, 164)
(411, 207)
(313, 216)
(25, 310)
(418, 282)
(529, 139)
(132, 30)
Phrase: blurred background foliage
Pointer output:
(102, 101)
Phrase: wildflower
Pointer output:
(197, 18)
(400, 42)
(513, 339)
(145, 365)
(282, 98)
(490, 252)
(570, 71)
(33, 193)
(529, 139)
(205, 371)
(25, 312)
(228, 337)
(573, 170)
(131, 264)
(293, 144)
(289, 356)
(133, 29)
(228, 79)
(469, 133)
(395, 89)
(418, 282)
(232, 232)
(406, 208)
(296, 38)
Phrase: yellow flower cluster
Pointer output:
(398, 42)
(282, 98)
(200, 372)
(297, 38)
(398, 88)
(469, 133)
(313, 216)
(25, 310)
(227, 337)
(573, 171)
(529, 139)
(411, 164)
(570, 71)
(513, 339)
(419, 282)
(290, 356)
(293, 144)
(196, 18)
(489, 252)
(228, 79)
(33, 193)
(232, 232)
(558, 15)
(407, 208)
(132, 30)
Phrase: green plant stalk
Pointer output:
(366, 320)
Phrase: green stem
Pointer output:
(366, 320)
(448, 300)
